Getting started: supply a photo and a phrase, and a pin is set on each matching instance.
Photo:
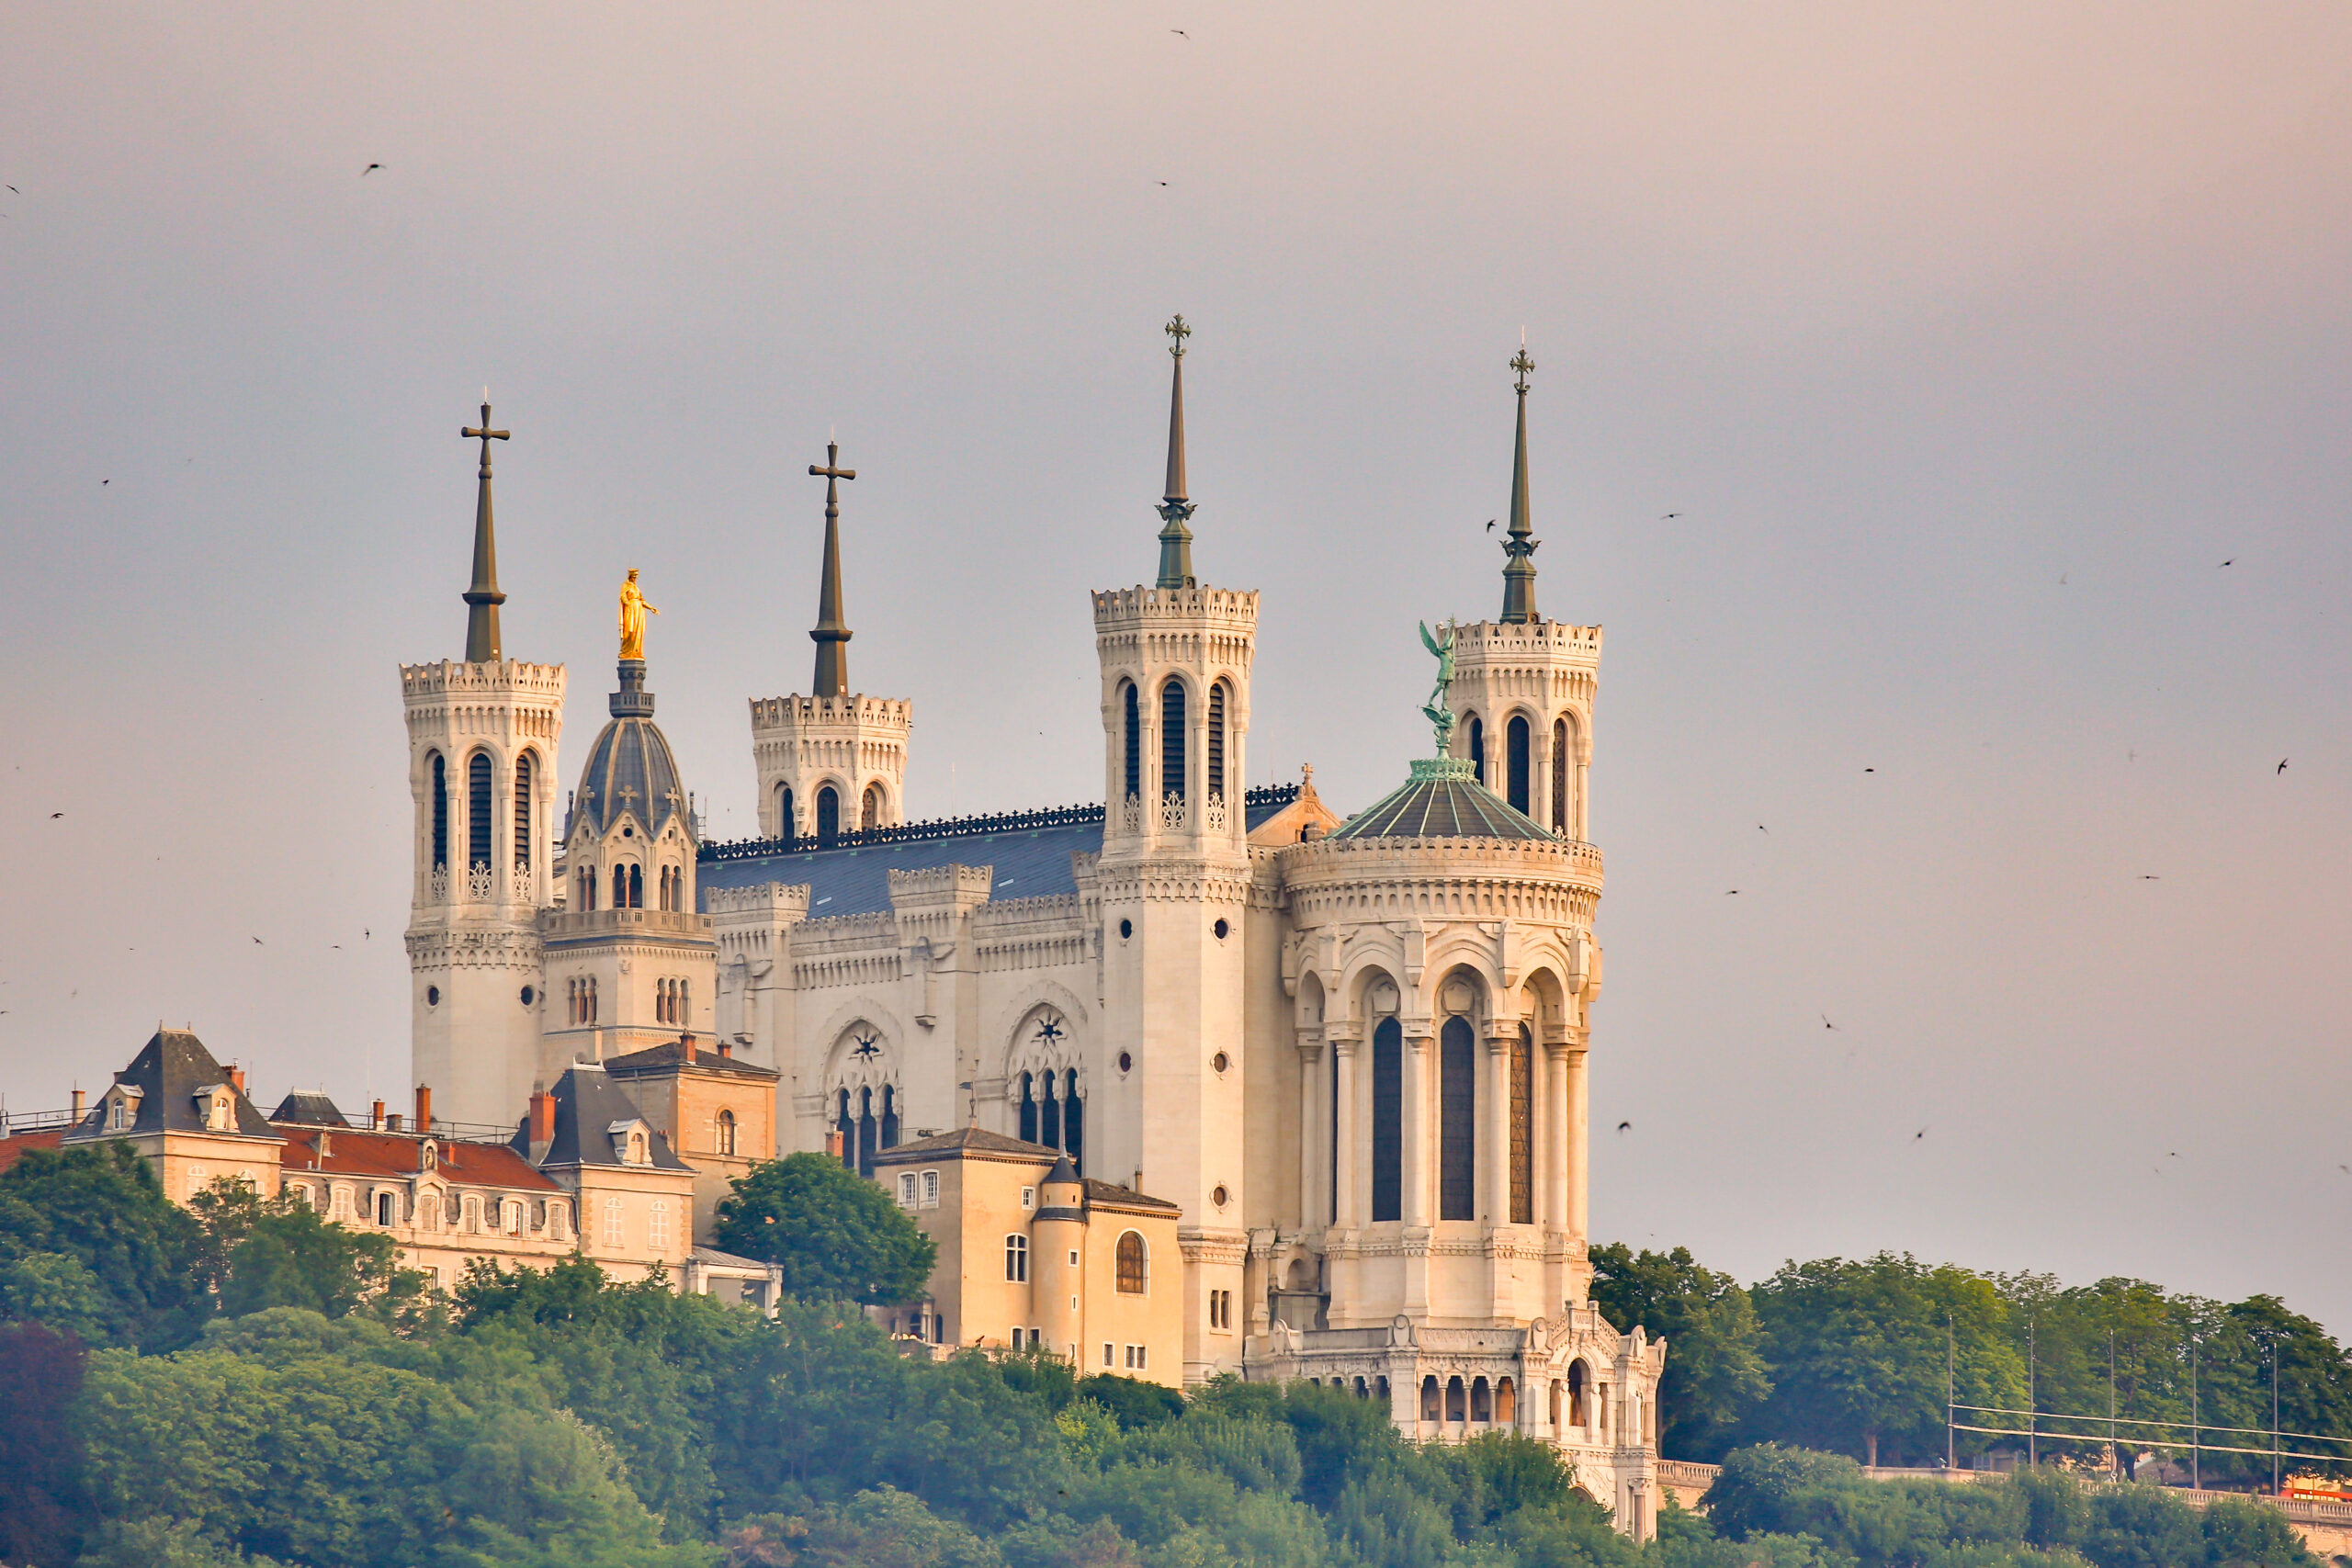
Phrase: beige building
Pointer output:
(717, 1111)
(1033, 1257)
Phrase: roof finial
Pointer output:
(1175, 539)
(1519, 571)
(832, 658)
(483, 598)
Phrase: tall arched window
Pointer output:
(1028, 1109)
(828, 818)
(1522, 1128)
(440, 811)
(1049, 1111)
(889, 1119)
(1213, 784)
(1457, 1167)
(620, 887)
(847, 1125)
(1518, 746)
(478, 801)
(637, 888)
(1131, 1266)
(869, 813)
(1387, 1120)
(725, 1131)
(784, 826)
(1479, 747)
(1131, 720)
(1073, 1119)
(522, 812)
(1171, 740)
(1560, 776)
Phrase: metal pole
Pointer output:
(2196, 1475)
(1952, 1367)
(2032, 1402)
(2114, 1454)
(2274, 1420)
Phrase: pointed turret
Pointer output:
(1175, 539)
(829, 634)
(1519, 570)
(483, 598)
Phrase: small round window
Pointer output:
(1126, 1062)
(627, 832)
(1223, 931)
(1220, 1062)
(1126, 930)
(433, 996)
(530, 995)
(1219, 1196)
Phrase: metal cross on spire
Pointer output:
(1179, 331)
(483, 598)
(1175, 508)
(829, 634)
(1518, 544)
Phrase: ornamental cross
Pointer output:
(831, 472)
(867, 1050)
(1176, 329)
(627, 793)
(483, 433)
(1524, 366)
(1049, 1031)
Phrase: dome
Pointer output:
(630, 767)
(1443, 799)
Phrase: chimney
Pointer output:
(423, 1108)
(376, 1117)
(237, 1077)
(686, 1047)
(81, 1103)
(727, 1050)
(391, 1122)
(542, 1121)
(833, 1142)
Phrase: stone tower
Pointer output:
(852, 748)
(481, 744)
(1523, 686)
(1174, 875)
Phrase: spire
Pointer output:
(1519, 571)
(1175, 539)
(832, 658)
(483, 598)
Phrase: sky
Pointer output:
(1943, 410)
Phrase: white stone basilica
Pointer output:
(1352, 1051)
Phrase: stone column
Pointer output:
(1348, 1165)
(1543, 1137)
(1414, 1116)
(1313, 1134)
(1494, 1129)
(1577, 1124)
(1558, 1139)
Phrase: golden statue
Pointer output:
(634, 609)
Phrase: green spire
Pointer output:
(1175, 539)
(829, 634)
(1519, 571)
(483, 598)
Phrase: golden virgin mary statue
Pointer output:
(634, 609)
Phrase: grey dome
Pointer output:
(630, 767)
(1443, 799)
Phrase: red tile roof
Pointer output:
(351, 1152)
(13, 1149)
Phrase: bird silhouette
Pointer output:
(55, 815)
(1919, 1135)
(258, 943)
(2232, 561)
(1670, 517)
(1625, 1126)
(1869, 770)
(1763, 830)
(1826, 1023)
(1490, 524)
(1180, 32)
(1164, 183)
(2150, 876)
(1730, 892)
(2281, 767)
(369, 170)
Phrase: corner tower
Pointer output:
(482, 745)
(1523, 686)
(1175, 880)
(830, 762)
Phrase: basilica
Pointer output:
(1320, 1076)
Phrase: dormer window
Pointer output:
(632, 1141)
(216, 1102)
(122, 1110)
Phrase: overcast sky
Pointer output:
(1993, 360)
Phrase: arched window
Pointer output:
(1578, 1381)
(784, 826)
(1214, 785)
(1482, 1400)
(637, 888)
(522, 812)
(1028, 1109)
(613, 1223)
(620, 887)
(1131, 720)
(1457, 1404)
(440, 812)
(1479, 747)
(1518, 746)
(868, 1132)
(685, 1002)
(1457, 1169)
(1505, 1401)
(1428, 1399)
(1387, 1120)
(478, 801)
(1017, 1259)
(869, 814)
(662, 1001)
(847, 1125)
(662, 895)
(592, 999)
(1522, 1128)
(657, 1224)
(1131, 1265)
(1171, 740)
(889, 1121)
(1073, 1119)
(725, 1131)
(828, 818)
(1049, 1113)
(1560, 776)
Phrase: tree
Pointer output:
(132, 1253)
(260, 1253)
(1714, 1365)
(835, 1232)
(44, 1507)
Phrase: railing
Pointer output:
(455, 1132)
(954, 828)
(15, 1122)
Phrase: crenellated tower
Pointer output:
(832, 761)
(481, 740)
(1174, 875)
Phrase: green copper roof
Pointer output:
(1443, 800)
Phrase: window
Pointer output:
(1387, 1120)
(784, 823)
(522, 812)
(513, 1209)
(686, 1002)
(725, 1130)
(612, 1223)
(1171, 740)
(440, 812)
(1029, 1098)
(637, 888)
(1560, 776)
(1522, 1128)
(1516, 747)
(637, 1149)
(907, 1193)
(1028, 1197)
(931, 1190)
(1138, 1357)
(559, 1221)
(1130, 1264)
(1214, 785)
(869, 814)
(478, 804)
(620, 887)
(1478, 747)
(828, 818)
(1457, 1173)
(1132, 721)
(118, 1117)
(1017, 1259)
(1221, 1310)
(1073, 1119)
(384, 1209)
(1107, 1360)
(657, 1224)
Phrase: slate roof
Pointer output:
(671, 1054)
(1112, 1196)
(629, 755)
(587, 1103)
(1029, 863)
(311, 1109)
(1443, 799)
(168, 1071)
(965, 1141)
(351, 1152)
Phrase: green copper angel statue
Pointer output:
(1438, 713)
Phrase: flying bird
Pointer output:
(2150, 876)
(258, 943)
(1869, 770)
(55, 815)
(1763, 830)
(1670, 517)
(2281, 767)
(1919, 1135)
(1490, 524)
(1730, 892)
(1625, 1126)
(2232, 561)
(1180, 32)
(369, 170)
(1826, 1023)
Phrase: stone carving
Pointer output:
(478, 884)
(1213, 815)
(1171, 812)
